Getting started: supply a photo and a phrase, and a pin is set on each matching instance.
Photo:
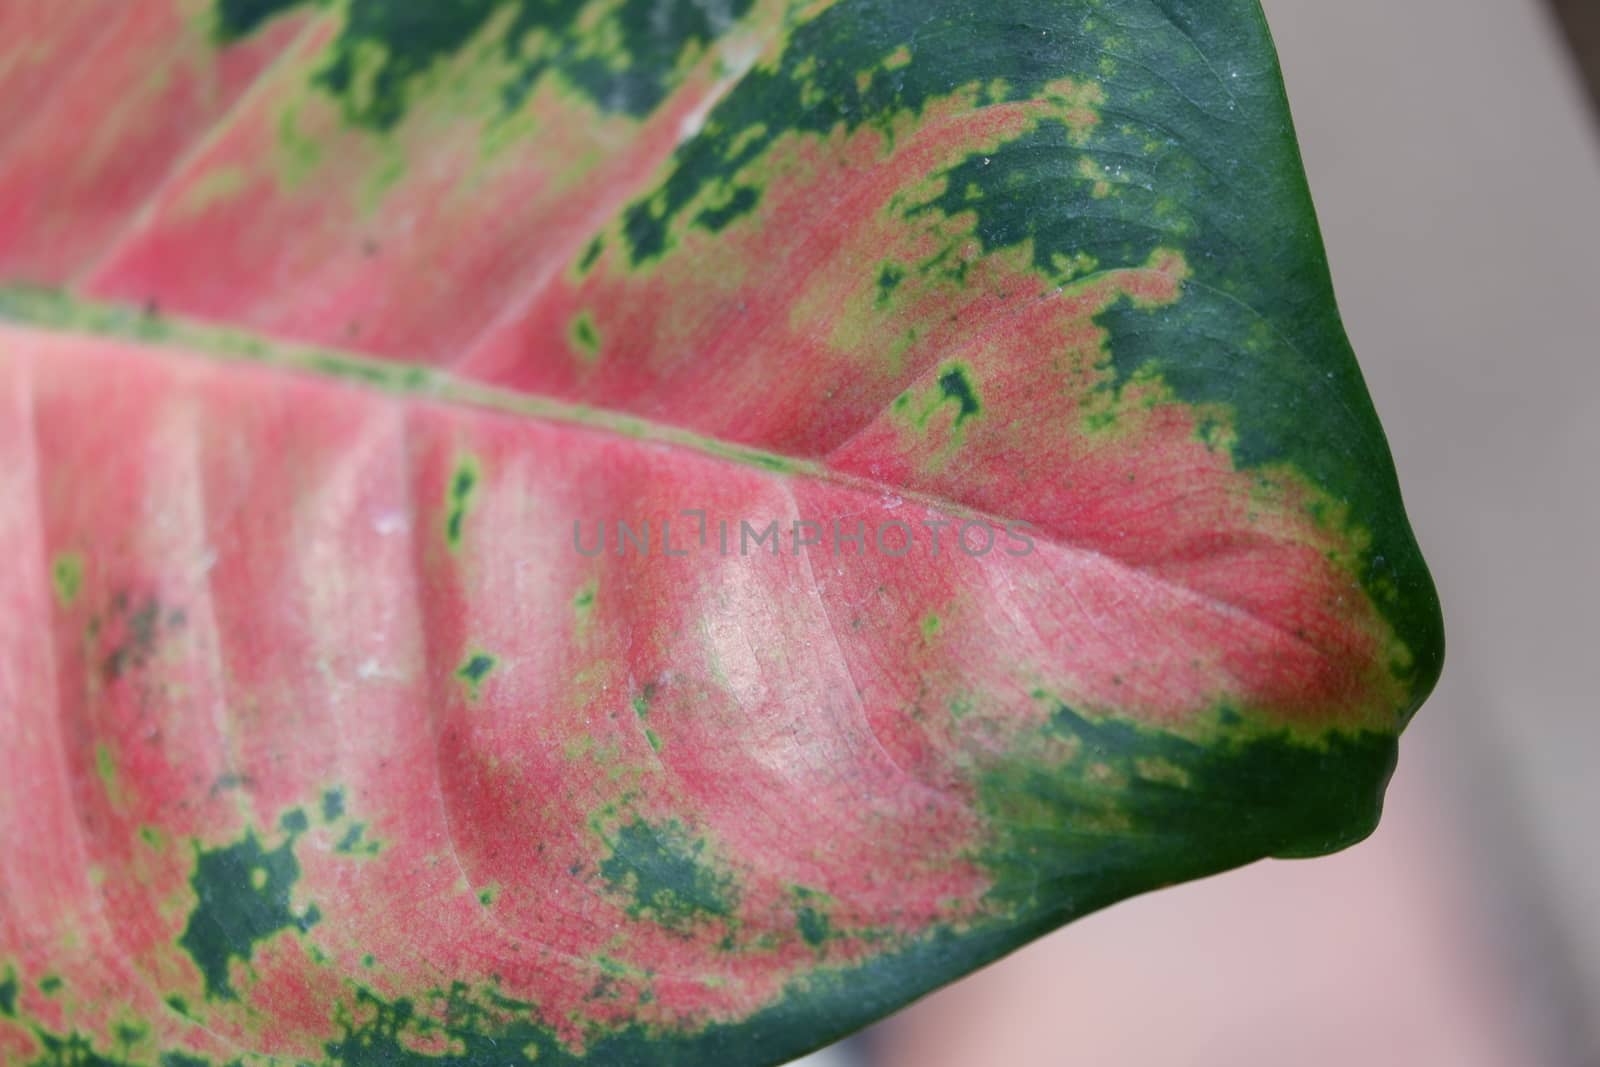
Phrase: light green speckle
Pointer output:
(642, 702)
(299, 155)
(215, 187)
(585, 337)
(66, 574)
(105, 767)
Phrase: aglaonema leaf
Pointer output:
(655, 531)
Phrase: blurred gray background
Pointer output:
(1454, 159)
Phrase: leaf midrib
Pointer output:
(61, 313)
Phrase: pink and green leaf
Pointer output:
(331, 332)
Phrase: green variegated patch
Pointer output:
(605, 532)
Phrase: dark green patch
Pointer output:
(811, 916)
(474, 671)
(8, 994)
(463, 485)
(814, 925)
(50, 985)
(78, 1050)
(71, 1050)
(957, 386)
(815, 89)
(332, 805)
(952, 387)
(242, 896)
(1132, 808)
(667, 875)
(180, 1059)
(129, 1033)
(354, 842)
(624, 56)
(485, 1029)
(812, 1011)
(591, 253)
(240, 18)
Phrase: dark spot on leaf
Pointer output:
(590, 254)
(955, 385)
(889, 279)
(385, 48)
(667, 874)
(742, 202)
(243, 898)
(240, 18)
(332, 805)
(474, 671)
(128, 1033)
(137, 641)
(354, 842)
(811, 918)
(182, 1059)
(1100, 825)
(463, 484)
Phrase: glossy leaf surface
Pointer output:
(1010, 528)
